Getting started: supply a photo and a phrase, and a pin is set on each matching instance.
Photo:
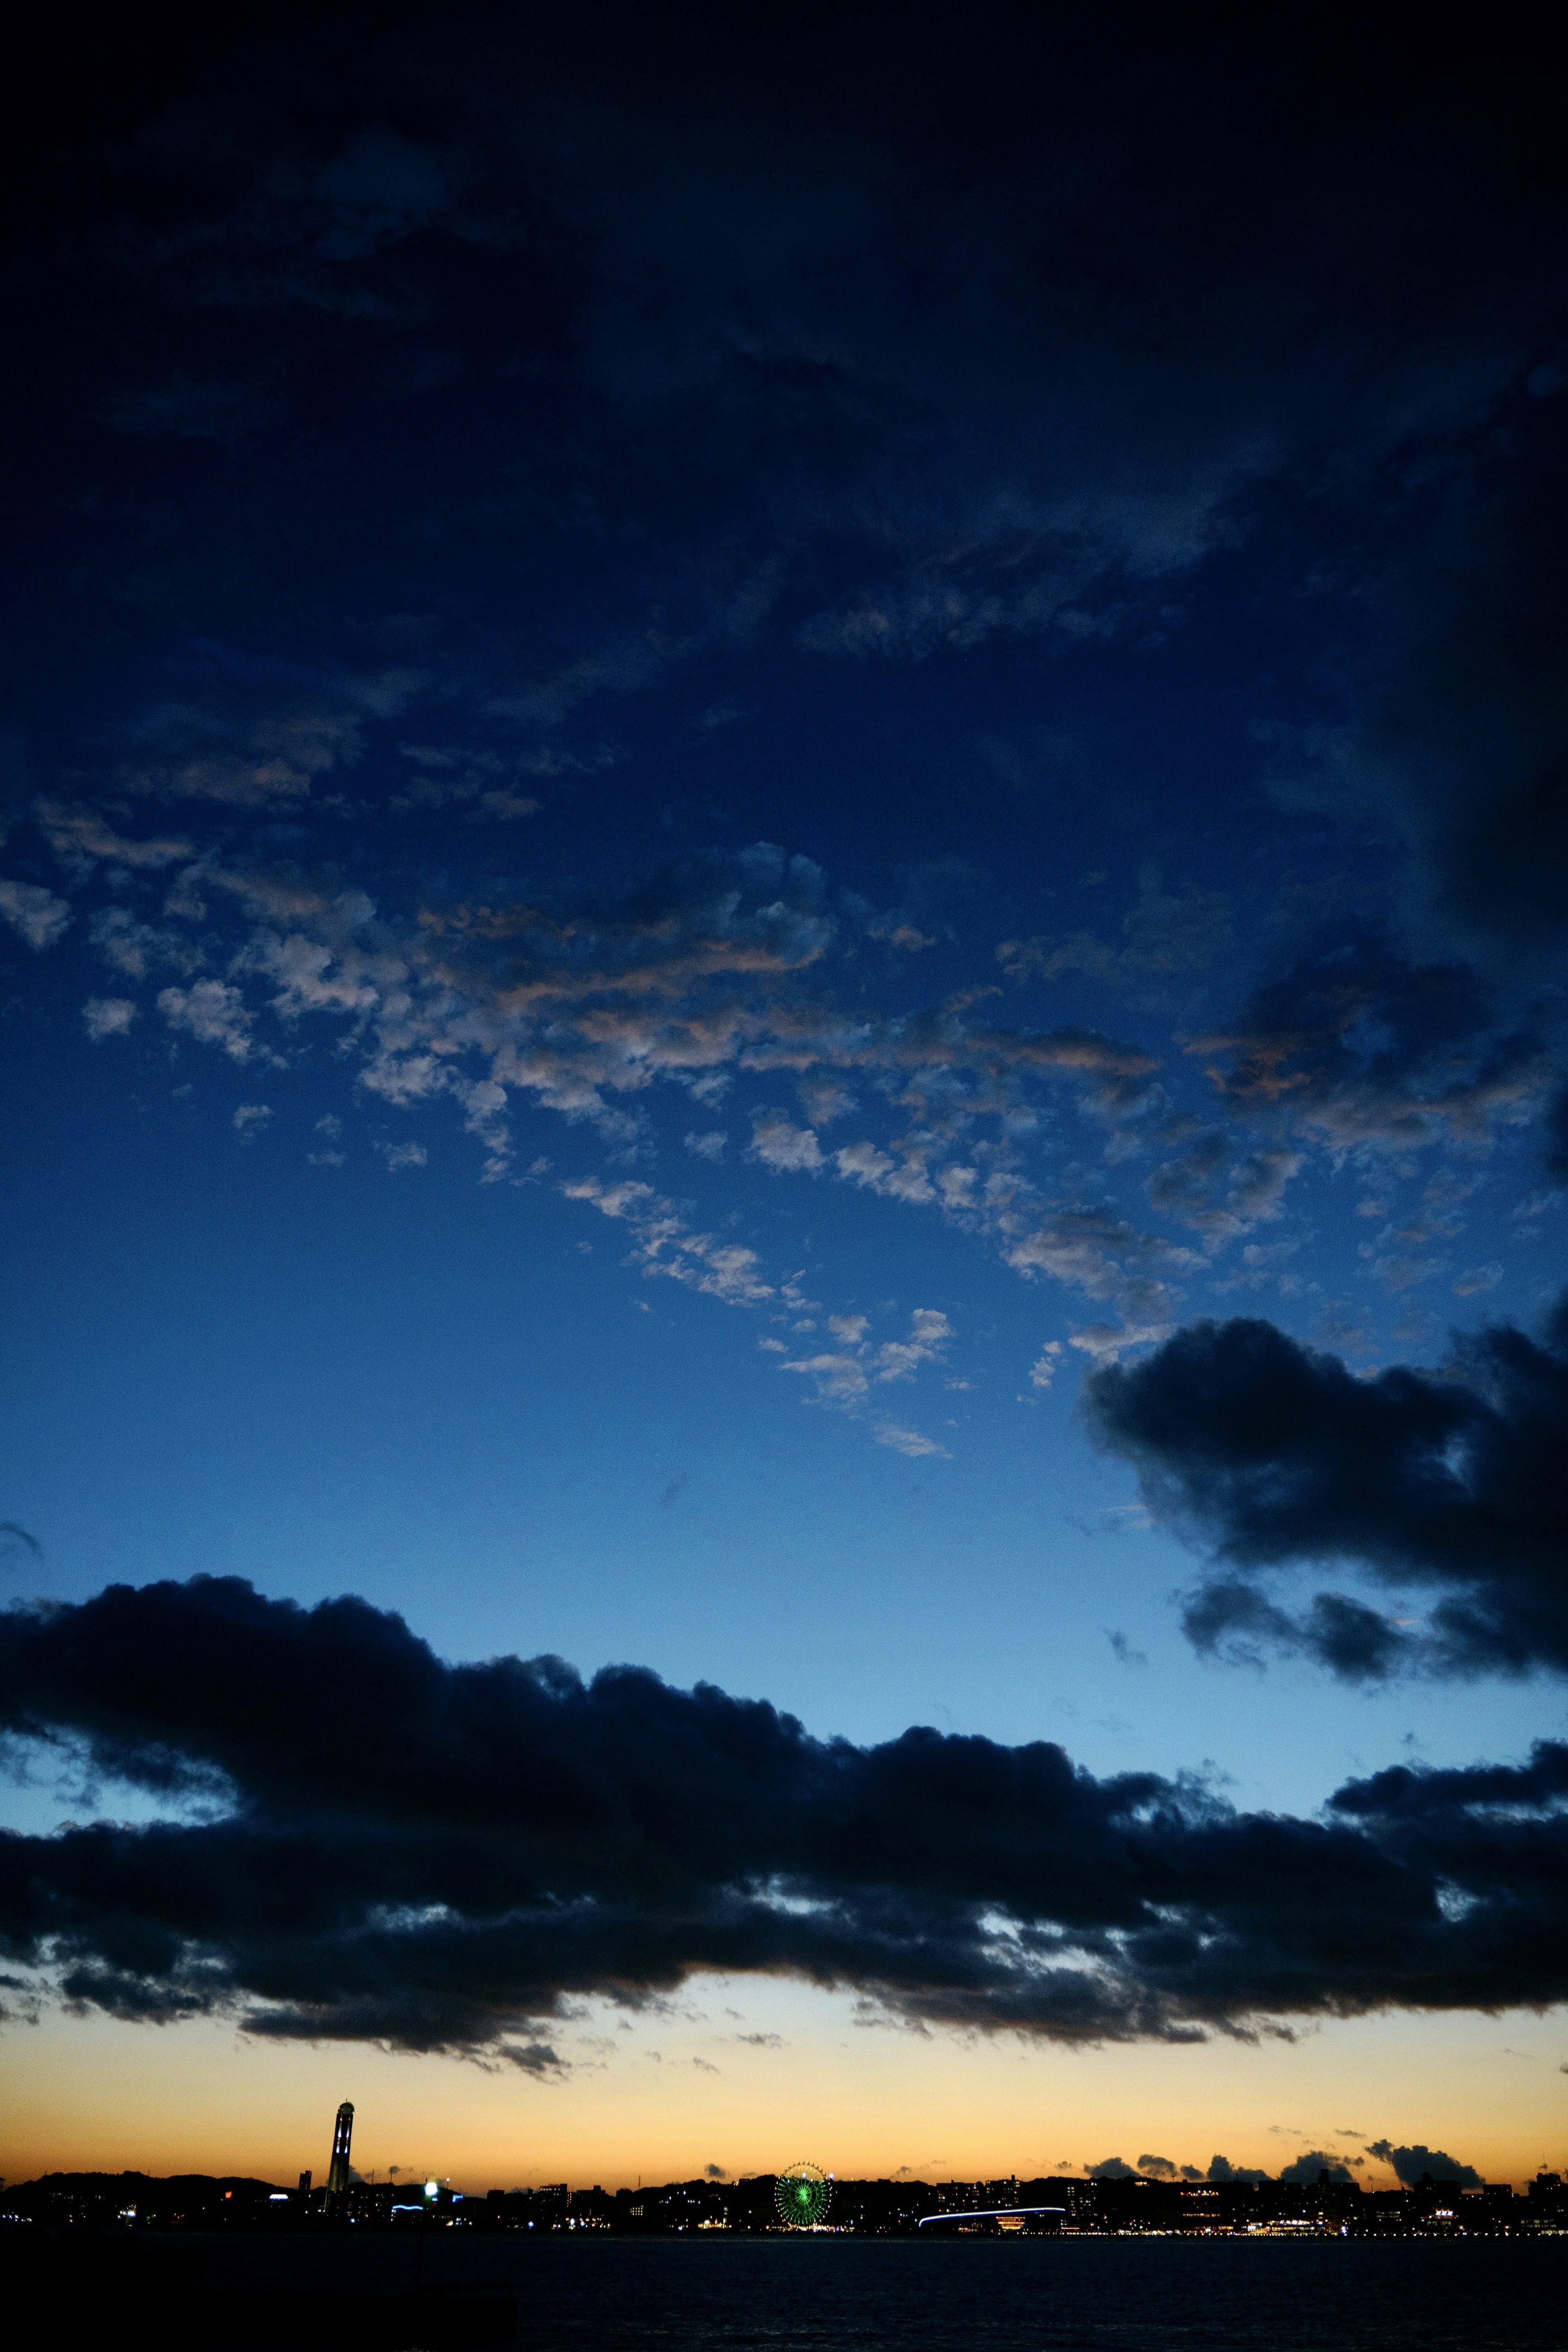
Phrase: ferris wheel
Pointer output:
(804, 2193)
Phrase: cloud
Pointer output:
(1106, 1343)
(535, 2058)
(399, 1156)
(1366, 1049)
(665, 1245)
(1091, 1247)
(1218, 1195)
(250, 1118)
(229, 750)
(912, 1443)
(1158, 2167)
(213, 1013)
(840, 1378)
(958, 464)
(82, 833)
(1162, 935)
(1466, 725)
(528, 1837)
(1279, 1456)
(1411, 2165)
(1556, 1134)
(1307, 2168)
(897, 933)
(1221, 2170)
(900, 1360)
(33, 912)
(782, 1146)
(134, 949)
(108, 1016)
(847, 1377)
(580, 1007)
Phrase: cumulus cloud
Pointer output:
(782, 1146)
(213, 1012)
(108, 1016)
(33, 912)
(1449, 1480)
(841, 1378)
(1311, 2166)
(1412, 2164)
(399, 1156)
(1221, 2169)
(528, 1837)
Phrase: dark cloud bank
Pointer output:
(1450, 1479)
(398, 1850)
(892, 335)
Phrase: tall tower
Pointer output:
(342, 2132)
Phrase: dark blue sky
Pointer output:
(743, 769)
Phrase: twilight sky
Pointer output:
(783, 858)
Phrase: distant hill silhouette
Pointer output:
(201, 2188)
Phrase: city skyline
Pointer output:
(784, 983)
(1420, 2185)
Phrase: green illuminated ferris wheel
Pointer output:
(802, 2195)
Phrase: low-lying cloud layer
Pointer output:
(1450, 1480)
(383, 1847)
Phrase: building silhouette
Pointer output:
(342, 2132)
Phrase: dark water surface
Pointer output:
(1020, 2294)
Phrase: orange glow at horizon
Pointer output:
(753, 2075)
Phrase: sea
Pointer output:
(714, 2292)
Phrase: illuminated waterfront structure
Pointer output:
(342, 2132)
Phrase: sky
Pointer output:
(783, 886)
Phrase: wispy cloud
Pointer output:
(848, 1376)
